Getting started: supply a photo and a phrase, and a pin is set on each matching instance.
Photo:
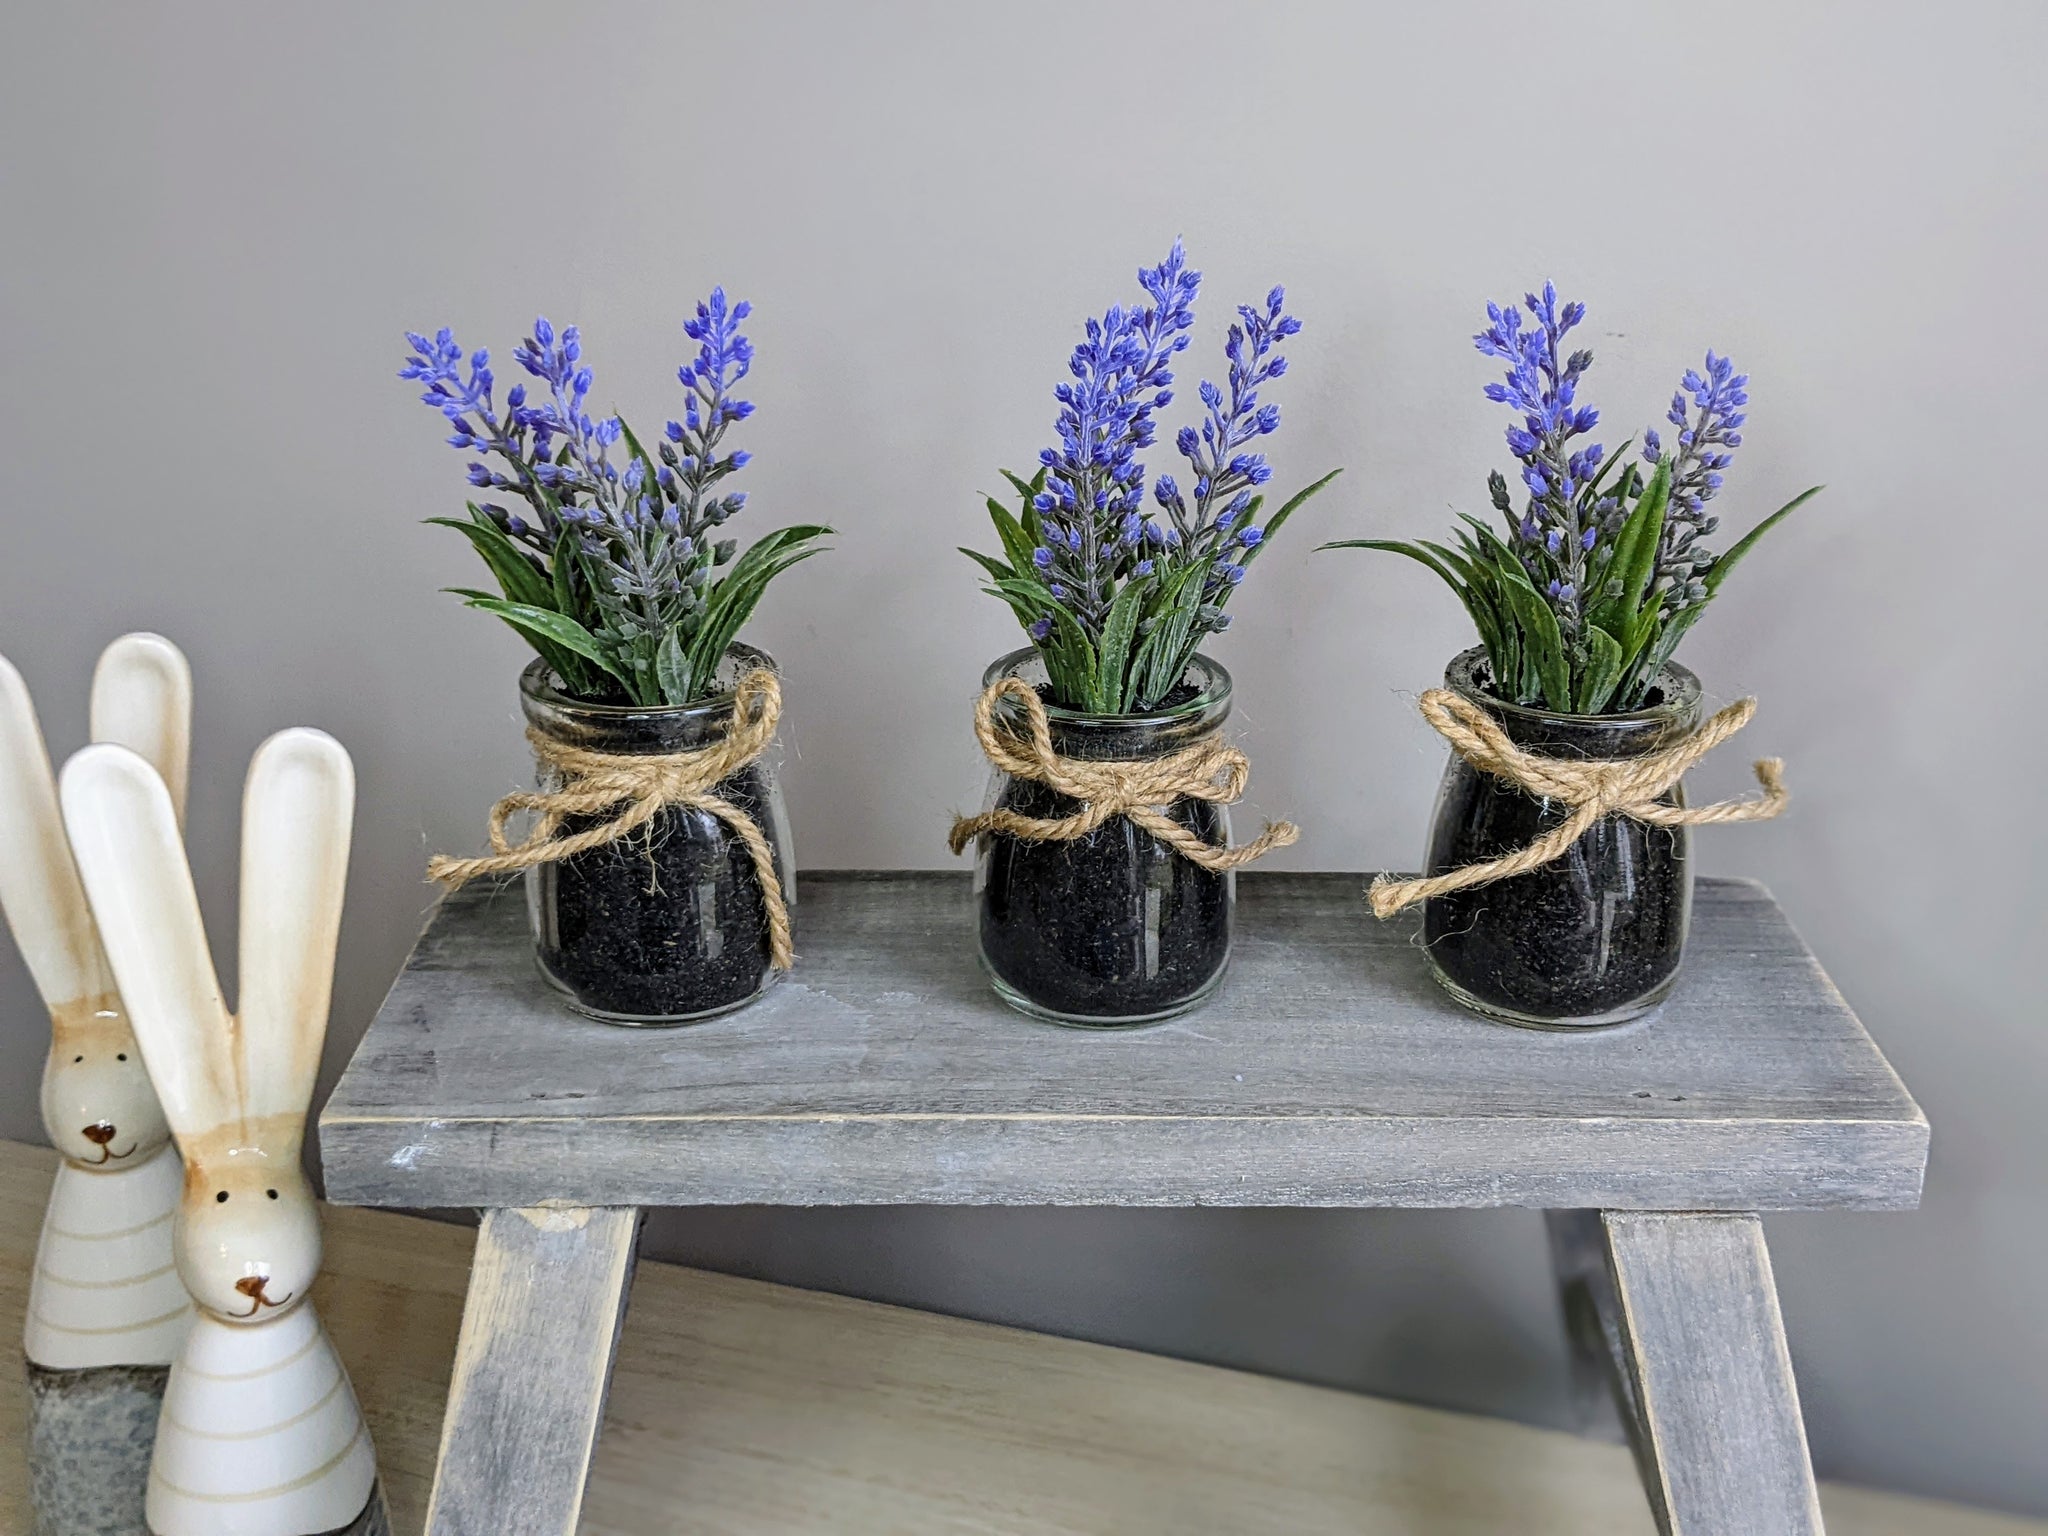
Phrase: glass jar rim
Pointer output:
(1681, 687)
(1212, 688)
(537, 682)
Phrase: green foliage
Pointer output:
(1599, 656)
(664, 653)
(1152, 624)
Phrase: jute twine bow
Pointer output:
(638, 788)
(1136, 790)
(1630, 786)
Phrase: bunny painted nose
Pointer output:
(101, 1134)
(252, 1286)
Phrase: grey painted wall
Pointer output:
(218, 219)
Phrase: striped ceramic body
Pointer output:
(105, 1290)
(260, 1434)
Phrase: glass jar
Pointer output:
(1593, 937)
(1112, 928)
(667, 924)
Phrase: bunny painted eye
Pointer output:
(76, 1059)
(271, 1192)
(222, 1197)
(120, 1056)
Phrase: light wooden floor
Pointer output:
(745, 1409)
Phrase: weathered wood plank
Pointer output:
(1328, 1071)
(547, 1293)
(1723, 1447)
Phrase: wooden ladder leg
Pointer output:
(1585, 1293)
(1707, 1383)
(533, 1364)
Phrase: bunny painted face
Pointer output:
(99, 1109)
(248, 1237)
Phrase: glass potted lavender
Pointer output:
(658, 862)
(1557, 884)
(1104, 878)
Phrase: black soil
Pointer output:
(1065, 926)
(1584, 936)
(665, 923)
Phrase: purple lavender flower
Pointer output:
(1128, 573)
(1705, 444)
(640, 526)
(1094, 482)
(1542, 383)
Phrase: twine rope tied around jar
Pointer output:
(1208, 769)
(1593, 787)
(636, 788)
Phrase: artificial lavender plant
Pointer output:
(1601, 571)
(1117, 599)
(608, 568)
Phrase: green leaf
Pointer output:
(1015, 542)
(995, 568)
(731, 600)
(1176, 605)
(1278, 519)
(558, 628)
(1634, 563)
(1595, 683)
(1414, 551)
(1718, 572)
(1118, 628)
(1544, 662)
(672, 669)
(518, 573)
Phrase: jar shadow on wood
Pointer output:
(1113, 928)
(1596, 936)
(667, 925)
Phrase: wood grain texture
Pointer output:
(1328, 1071)
(1722, 1446)
(526, 1399)
(744, 1409)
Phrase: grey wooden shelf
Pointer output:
(1328, 1071)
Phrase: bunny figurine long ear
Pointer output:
(39, 889)
(142, 700)
(297, 811)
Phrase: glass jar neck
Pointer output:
(637, 730)
(1673, 712)
(1122, 738)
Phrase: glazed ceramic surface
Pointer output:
(260, 1434)
(103, 1292)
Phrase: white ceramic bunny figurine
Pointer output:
(106, 1313)
(260, 1433)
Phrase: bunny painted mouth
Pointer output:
(252, 1286)
(101, 1135)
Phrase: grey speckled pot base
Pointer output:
(90, 1433)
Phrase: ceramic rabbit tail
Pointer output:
(106, 1312)
(260, 1433)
